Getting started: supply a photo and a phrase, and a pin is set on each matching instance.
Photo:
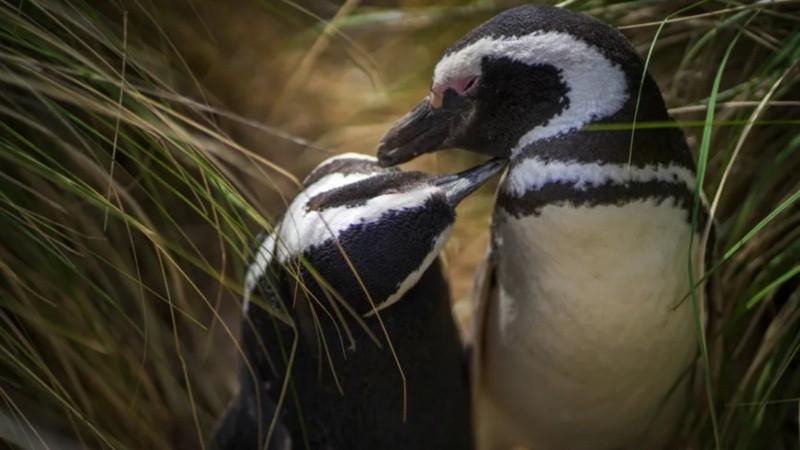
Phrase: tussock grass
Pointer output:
(123, 222)
(142, 144)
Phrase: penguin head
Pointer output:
(529, 74)
(368, 232)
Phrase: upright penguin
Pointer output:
(584, 337)
(373, 236)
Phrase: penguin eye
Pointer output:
(463, 86)
(470, 83)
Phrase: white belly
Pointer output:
(586, 338)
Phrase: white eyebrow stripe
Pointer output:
(349, 155)
(597, 86)
(257, 269)
(533, 173)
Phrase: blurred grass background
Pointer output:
(143, 144)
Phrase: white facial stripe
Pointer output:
(352, 159)
(414, 277)
(267, 249)
(350, 155)
(258, 267)
(533, 173)
(597, 87)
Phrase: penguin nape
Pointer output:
(583, 337)
(345, 390)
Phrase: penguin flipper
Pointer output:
(491, 426)
(481, 293)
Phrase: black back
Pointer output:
(368, 411)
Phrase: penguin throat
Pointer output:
(414, 276)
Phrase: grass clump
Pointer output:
(122, 224)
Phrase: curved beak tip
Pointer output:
(387, 156)
(422, 130)
(460, 185)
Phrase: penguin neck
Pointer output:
(608, 131)
(604, 162)
(547, 176)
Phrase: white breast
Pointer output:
(586, 336)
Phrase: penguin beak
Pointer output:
(458, 186)
(423, 130)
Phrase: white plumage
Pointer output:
(534, 173)
(601, 349)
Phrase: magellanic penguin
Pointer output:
(584, 333)
(358, 239)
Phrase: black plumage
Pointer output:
(349, 394)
